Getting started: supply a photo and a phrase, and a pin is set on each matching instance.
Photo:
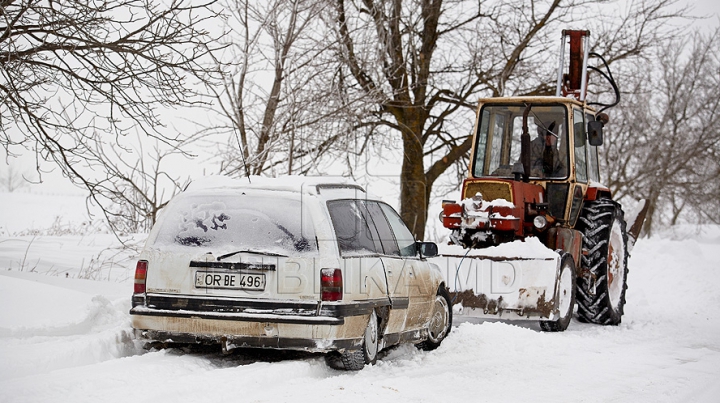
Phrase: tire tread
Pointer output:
(596, 224)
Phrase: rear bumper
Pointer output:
(254, 310)
(265, 317)
(239, 341)
(280, 324)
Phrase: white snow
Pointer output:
(531, 247)
(498, 203)
(28, 212)
(43, 305)
(69, 340)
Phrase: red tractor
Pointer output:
(534, 173)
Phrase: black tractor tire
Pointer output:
(440, 322)
(565, 296)
(601, 288)
(355, 360)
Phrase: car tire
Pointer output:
(356, 360)
(565, 297)
(440, 322)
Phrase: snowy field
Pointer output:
(65, 335)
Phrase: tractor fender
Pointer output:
(567, 240)
(596, 191)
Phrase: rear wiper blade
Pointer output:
(254, 252)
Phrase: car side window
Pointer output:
(354, 236)
(387, 239)
(405, 239)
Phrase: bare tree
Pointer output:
(423, 64)
(131, 185)
(13, 179)
(73, 72)
(664, 144)
(280, 99)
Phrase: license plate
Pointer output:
(230, 281)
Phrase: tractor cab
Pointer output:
(534, 161)
(534, 153)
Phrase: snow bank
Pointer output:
(46, 327)
(30, 304)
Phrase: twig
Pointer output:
(22, 264)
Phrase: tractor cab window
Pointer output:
(581, 167)
(498, 141)
(592, 161)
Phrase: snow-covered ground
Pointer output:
(65, 336)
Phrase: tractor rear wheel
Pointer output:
(601, 288)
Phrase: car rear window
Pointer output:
(232, 222)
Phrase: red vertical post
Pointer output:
(572, 82)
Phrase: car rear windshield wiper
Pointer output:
(254, 252)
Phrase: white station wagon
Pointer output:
(300, 263)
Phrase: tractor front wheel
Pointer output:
(564, 297)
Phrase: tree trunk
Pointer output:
(413, 187)
(647, 229)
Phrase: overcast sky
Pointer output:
(706, 8)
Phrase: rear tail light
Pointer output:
(140, 276)
(331, 285)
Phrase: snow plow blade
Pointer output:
(485, 284)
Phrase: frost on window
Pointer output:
(229, 223)
(202, 224)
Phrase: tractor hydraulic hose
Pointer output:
(609, 77)
(457, 275)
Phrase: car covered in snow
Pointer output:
(299, 263)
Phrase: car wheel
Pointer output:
(356, 360)
(440, 321)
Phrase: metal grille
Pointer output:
(490, 190)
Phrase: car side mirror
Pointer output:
(427, 249)
(595, 132)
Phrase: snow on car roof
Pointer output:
(290, 183)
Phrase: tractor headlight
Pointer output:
(540, 222)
